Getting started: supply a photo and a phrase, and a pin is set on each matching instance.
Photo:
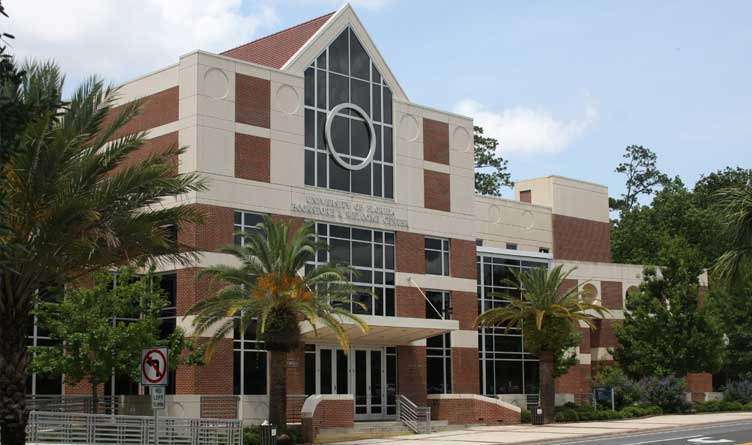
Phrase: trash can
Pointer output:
(537, 415)
(268, 433)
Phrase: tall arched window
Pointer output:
(345, 74)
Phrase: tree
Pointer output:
(548, 315)
(734, 266)
(100, 331)
(72, 208)
(269, 292)
(667, 330)
(490, 168)
(642, 176)
(733, 308)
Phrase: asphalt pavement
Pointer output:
(727, 433)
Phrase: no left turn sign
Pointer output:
(154, 366)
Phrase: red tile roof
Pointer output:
(276, 49)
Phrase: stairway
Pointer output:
(372, 430)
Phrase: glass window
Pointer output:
(437, 256)
(439, 348)
(249, 364)
(344, 73)
(505, 368)
(245, 221)
(371, 254)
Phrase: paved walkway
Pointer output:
(516, 434)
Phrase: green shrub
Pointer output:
(666, 392)
(717, 406)
(740, 391)
(567, 415)
(251, 435)
(525, 416)
(748, 407)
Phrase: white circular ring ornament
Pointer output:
(328, 135)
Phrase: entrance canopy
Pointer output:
(383, 330)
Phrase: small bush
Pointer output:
(251, 435)
(525, 416)
(667, 393)
(567, 415)
(740, 391)
(718, 406)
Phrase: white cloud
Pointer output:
(372, 5)
(119, 39)
(527, 130)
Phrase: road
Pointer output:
(730, 434)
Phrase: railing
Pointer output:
(219, 407)
(417, 418)
(74, 404)
(533, 400)
(74, 428)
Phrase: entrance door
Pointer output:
(333, 371)
(369, 383)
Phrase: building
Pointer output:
(310, 123)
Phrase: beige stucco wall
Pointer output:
(568, 197)
(499, 221)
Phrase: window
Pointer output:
(439, 348)
(511, 246)
(505, 366)
(244, 222)
(543, 250)
(38, 336)
(249, 364)
(371, 253)
(437, 256)
(344, 73)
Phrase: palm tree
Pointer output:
(735, 265)
(548, 315)
(274, 289)
(72, 207)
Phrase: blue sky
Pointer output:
(564, 85)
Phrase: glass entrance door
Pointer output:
(369, 376)
(333, 371)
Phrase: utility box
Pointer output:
(537, 415)
(268, 434)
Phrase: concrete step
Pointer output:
(373, 430)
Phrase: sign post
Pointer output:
(154, 367)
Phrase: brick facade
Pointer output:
(611, 294)
(411, 373)
(213, 232)
(326, 411)
(436, 190)
(585, 340)
(150, 148)
(465, 309)
(462, 259)
(410, 303)
(576, 380)
(252, 157)
(581, 239)
(604, 335)
(465, 371)
(466, 409)
(155, 110)
(252, 101)
(411, 256)
(213, 378)
(435, 141)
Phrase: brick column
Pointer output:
(411, 373)
(465, 371)
(213, 378)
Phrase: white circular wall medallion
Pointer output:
(408, 128)
(462, 140)
(216, 84)
(288, 99)
(371, 136)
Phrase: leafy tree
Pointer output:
(642, 176)
(734, 266)
(490, 168)
(72, 208)
(269, 292)
(666, 329)
(733, 307)
(100, 331)
(548, 315)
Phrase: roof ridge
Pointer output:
(279, 32)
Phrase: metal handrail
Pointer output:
(73, 404)
(75, 428)
(417, 418)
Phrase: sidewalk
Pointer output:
(517, 434)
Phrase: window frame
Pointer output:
(445, 254)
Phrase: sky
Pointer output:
(564, 86)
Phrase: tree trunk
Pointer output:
(94, 398)
(13, 362)
(547, 387)
(278, 390)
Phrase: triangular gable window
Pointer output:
(344, 78)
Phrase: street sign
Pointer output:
(154, 366)
(157, 397)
